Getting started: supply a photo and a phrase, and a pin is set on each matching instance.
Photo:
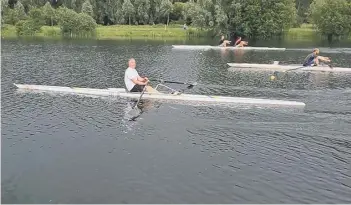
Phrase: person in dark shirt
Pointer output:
(313, 58)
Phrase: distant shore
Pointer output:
(121, 31)
(149, 31)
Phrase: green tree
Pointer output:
(178, 9)
(86, 25)
(119, 15)
(115, 11)
(166, 8)
(4, 9)
(28, 5)
(87, 8)
(19, 9)
(332, 17)
(302, 7)
(128, 10)
(32, 25)
(75, 24)
(155, 11)
(12, 16)
(198, 14)
(71, 4)
(49, 14)
(142, 8)
(68, 21)
(261, 19)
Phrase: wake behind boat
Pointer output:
(209, 47)
(283, 68)
(121, 92)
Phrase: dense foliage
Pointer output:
(251, 18)
(332, 17)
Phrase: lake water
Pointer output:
(78, 149)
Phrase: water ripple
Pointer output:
(173, 152)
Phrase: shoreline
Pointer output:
(157, 32)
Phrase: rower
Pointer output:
(223, 43)
(238, 42)
(134, 82)
(313, 58)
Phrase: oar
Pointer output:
(329, 65)
(176, 82)
(142, 93)
(135, 111)
(190, 85)
(294, 69)
(276, 72)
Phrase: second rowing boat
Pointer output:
(208, 47)
(277, 67)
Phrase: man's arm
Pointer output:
(142, 78)
(325, 59)
(139, 82)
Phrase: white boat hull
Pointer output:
(208, 47)
(183, 97)
(277, 67)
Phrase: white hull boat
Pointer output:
(208, 47)
(283, 68)
(121, 92)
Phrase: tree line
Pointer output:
(250, 18)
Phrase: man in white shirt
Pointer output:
(133, 81)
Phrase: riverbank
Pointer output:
(156, 31)
(304, 31)
(120, 31)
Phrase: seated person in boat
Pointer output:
(240, 43)
(313, 58)
(135, 83)
(237, 41)
(223, 42)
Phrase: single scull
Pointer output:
(282, 68)
(208, 47)
(162, 96)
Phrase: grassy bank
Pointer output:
(306, 31)
(147, 31)
(121, 31)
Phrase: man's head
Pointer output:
(316, 51)
(131, 63)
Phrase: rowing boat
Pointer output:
(278, 67)
(121, 92)
(208, 47)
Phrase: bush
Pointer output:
(75, 24)
(27, 27)
(50, 31)
(86, 24)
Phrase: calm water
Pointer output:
(77, 149)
